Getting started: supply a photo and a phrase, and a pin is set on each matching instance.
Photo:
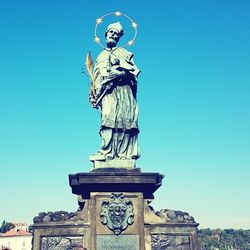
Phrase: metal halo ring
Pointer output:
(117, 13)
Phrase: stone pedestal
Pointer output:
(113, 233)
(116, 205)
(115, 213)
(115, 180)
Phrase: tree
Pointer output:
(30, 229)
(224, 239)
(6, 226)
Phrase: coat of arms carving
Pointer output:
(117, 213)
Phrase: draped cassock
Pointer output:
(114, 92)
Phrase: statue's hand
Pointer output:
(114, 75)
(119, 70)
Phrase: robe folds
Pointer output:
(114, 93)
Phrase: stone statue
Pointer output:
(113, 91)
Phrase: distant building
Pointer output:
(17, 238)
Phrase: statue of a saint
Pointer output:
(113, 91)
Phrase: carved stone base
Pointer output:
(99, 161)
(61, 230)
(169, 230)
(114, 213)
(116, 218)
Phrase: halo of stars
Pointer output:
(99, 20)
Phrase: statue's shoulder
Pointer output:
(125, 53)
(118, 52)
(102, 56)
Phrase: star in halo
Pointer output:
(118, 13)
(97, 39)
(134, 25)
(98, 20)
(130, 43)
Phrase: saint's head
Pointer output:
(113, 34)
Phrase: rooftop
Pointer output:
(14, 232)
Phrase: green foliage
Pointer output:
(30, 229)
(6, 226)
(228, 239)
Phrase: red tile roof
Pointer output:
(14, 232)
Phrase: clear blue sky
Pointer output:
(194, 100)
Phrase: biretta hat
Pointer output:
(117, 26)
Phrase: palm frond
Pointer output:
(89, 65)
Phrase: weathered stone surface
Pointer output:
(60, 235)
(169, 229)
(171, 235)
(115, 180)
(134, 213)
(175, 216)
(121, 242)
(171, 242)
(147, 229)
(117, 213)
(150, 217)
(58, 216)
(61, 242)
(114, 163)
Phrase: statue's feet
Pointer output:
(97, 157)
(106, 161)
(123, 158)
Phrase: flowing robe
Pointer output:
(114, 92)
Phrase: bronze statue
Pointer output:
(113, 91)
